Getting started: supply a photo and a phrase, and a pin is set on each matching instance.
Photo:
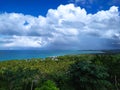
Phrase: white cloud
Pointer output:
(67, 27)
(25, 41)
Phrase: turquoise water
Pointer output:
(27, 54)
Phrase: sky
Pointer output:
(59, 24)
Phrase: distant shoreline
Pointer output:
(6, 55)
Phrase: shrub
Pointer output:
(48, 85)
(87, 76)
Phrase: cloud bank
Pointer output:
(67, 27)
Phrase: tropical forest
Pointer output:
(69, 72)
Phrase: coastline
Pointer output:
(29, 54)
(6, 55)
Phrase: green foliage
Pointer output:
(112, 62)
(87, 76)
(71, 72)
(20, 77)
(48, 85)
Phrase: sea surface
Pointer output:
(28, 54)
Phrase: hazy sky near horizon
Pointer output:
(59, 24)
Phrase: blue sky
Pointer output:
(32, 7)
(59, 24)
(40, 7)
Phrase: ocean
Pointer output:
(28, 54)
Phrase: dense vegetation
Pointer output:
(74, 72)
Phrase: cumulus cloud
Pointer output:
(67, 27)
